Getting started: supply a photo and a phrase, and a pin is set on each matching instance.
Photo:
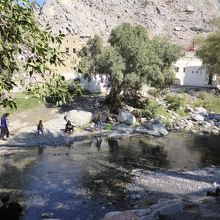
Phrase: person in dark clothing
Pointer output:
(10, 210)
(98, 122)
(69, 127)
(4, 126)
(40, 127)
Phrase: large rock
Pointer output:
(143, 130)
(122, 127)
(156, 128)
(201, 111)
(79, 118)
(197, 117)
(126, 117)
(170, 209)
(214, 116)
(121, 216)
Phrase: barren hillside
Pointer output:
(179, 20)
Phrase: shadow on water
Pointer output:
(86, 180)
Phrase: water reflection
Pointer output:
(87, 180)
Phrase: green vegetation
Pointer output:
(175, 102)
(21, 34)
(108, 127)
(131, 60)
(151, 109)
(24, 101)
(209, 50)
(154, 92)
(209, 101)
(56, 91)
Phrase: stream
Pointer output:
(86, 180)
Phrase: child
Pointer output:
(40, 127)
(69, 127)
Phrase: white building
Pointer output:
(190, 71)
(96, 84)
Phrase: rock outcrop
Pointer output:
(79, 118)
(179, 20)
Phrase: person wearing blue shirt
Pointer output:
(4, 126)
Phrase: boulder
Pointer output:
(156, 132)
(157, 127)
(214, 116)
(125, 215)
(142, 212)
(188, 109)
(122, 127)
(197, 117)
(190, 9)
(201, 111)
(177, 29)
(126, 117)
(169, 210)
(79, 118)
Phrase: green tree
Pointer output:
(21, 34)
(209, 49)
(130, 60)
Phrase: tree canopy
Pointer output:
(209, 49)
(130, 59)
(21, 34)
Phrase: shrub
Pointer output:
(208, 101)
(153, 92)
(108, 127)
(151, 109)
(175, 102)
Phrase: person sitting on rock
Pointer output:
(40, 127)
(10, 210)
(69, 127)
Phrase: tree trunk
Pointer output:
(114, 99)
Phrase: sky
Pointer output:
(40, 2)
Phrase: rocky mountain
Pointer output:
(179, 20)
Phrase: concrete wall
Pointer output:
(97, 83)
(191, 72)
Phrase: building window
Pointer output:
(192, 71)
(177, 69)
(74, 50)
(184, 69)
(67, 50)
(197, 71)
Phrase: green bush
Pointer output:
(108, 127)
(208, 101)
(203, 95)
(151, 109)
(153, 92)
(175, 102)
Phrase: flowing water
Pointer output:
(87, 180)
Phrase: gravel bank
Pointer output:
(176, 183)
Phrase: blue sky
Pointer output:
(40, 2)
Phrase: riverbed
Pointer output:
(85, 180)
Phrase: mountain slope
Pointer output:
(179, 20)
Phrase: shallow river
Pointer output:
(86, 180)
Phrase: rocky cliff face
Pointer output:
(179, 20)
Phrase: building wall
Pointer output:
(190, 71)
(71, 45)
